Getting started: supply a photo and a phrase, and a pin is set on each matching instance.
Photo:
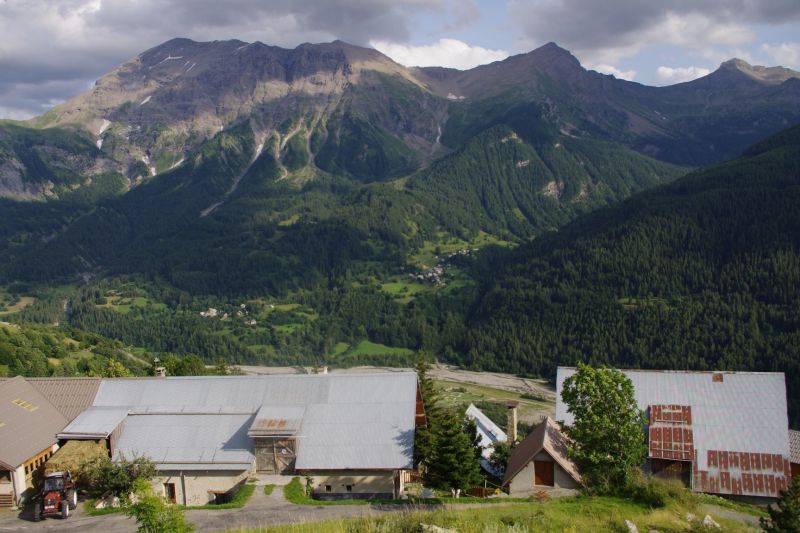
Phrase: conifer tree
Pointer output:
(454, 463)
(784, 515)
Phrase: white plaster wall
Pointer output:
(198, 484)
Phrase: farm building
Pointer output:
(32, 411)
(540, 463)
(718, 432)
(352, 434)
(489, 434)
(794, 451)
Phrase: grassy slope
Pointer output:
(576, 514)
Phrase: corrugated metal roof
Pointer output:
(347, 420)
(95, 422)
(277, 420)
(28, 422)
(233, 467)
(377, 435)
(794, 446)
(249, 393)
(730, 411)
(187, 438)
(69, 395)
(489, 433)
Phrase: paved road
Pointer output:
(261, 510)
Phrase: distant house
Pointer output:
(32, 411)
(489, 434)
(540, 463)
(717, 432)
(794, 451)
(353, 435)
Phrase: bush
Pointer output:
(655, 492)
(115, 477)
(151, 512)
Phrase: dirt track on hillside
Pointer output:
(495, 380)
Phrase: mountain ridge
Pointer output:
(352, 110)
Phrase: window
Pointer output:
(349, 488)
(327, 488)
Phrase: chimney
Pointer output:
(511, 425)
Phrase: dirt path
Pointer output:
(730, 514)
(495, 380)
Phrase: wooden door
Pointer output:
(543, 473)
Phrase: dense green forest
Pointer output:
(703, 273)
(513, 249)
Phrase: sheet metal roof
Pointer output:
(71, 396)
(277, 420)
(741, 412)
(376, 435)
(28, 422)
(95, 422)
(744, 412)
(794, 446)
(489, 433)
(548, 437)
(348, 420)
(187, 439)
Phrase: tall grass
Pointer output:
(579, 514)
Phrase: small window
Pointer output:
(349, 488)
(327, 488)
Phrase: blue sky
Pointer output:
(51, 50)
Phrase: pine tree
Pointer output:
(784, 515)
(423, 438)
(453, 463)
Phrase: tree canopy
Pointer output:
(607, 432)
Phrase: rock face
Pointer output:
(345, 110)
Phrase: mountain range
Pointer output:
(515, 216)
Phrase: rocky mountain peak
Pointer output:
(771, 75)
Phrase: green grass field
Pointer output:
(19, 305)
(124, 305)
(563, 515)
(457, 394)
(366, 347)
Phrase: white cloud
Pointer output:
(443, 53)
(785, 54)
(672, 75)
(614, 71)
(606, 32)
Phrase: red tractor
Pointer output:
(58, 496)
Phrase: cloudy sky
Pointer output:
(53, 49)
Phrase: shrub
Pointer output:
(151, 512)
(654, 492)
(115, 477)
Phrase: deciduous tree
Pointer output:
(608, 441)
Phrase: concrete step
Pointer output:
(6, 500)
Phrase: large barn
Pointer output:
(353, 434)
(718, 432)
(32, 411)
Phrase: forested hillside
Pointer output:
(703, 273)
